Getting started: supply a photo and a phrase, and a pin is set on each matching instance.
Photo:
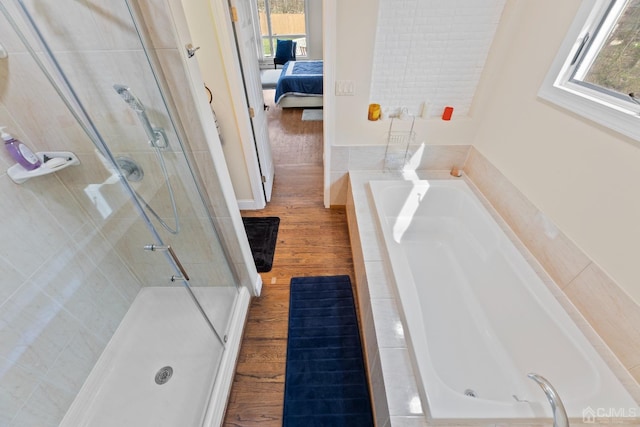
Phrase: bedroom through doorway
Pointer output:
(283, 136)
(295, 124)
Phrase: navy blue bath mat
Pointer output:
(262, 233)
(325, 382)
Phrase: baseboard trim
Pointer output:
(248, 205)
(220, 394)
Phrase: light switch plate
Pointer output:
(345, 88)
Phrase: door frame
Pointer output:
(221, 16)
(329, 14)
(329, 50)
(243, 27)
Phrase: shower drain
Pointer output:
(470, 393)
(164, 375)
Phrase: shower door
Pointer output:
(136, 282)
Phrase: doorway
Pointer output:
(210, 26)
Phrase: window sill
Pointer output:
(595, 110)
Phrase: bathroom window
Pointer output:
(598, 66)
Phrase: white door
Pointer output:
(247, 46)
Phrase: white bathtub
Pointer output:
(477, 316)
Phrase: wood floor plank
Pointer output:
(267, 350)
(250, 395)
(312, 241)
(254, 414)
(267, 330)
(259, 372)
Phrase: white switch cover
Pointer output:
(345, 88)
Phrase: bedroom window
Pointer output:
(598, 66)
(282, 19)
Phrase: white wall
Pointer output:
(583, 177)
(355, 25)
(357, 143)
(430, 55)
(314, 29)
(211, 60)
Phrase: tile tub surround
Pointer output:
(604, 305)
(394, 386)
(371, 158)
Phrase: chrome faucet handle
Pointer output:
(560, 418)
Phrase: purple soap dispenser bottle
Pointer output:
(20, 152)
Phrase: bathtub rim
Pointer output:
(383, 350)
(514, 412)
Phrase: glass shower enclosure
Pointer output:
(117, 288)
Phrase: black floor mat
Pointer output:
(262, 234)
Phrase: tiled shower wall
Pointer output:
(71, 268)
(431, 51)
(63, 289)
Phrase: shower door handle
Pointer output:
(191, 51)
(168, 248)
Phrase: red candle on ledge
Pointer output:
(447, 113)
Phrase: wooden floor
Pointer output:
(312, 241)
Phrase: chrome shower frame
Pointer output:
(61, 84)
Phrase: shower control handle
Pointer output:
(191, 51)
(168, 248)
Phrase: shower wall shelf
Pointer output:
(20, 175)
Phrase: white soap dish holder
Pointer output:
(19, 174)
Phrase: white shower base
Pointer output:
(162, 328)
